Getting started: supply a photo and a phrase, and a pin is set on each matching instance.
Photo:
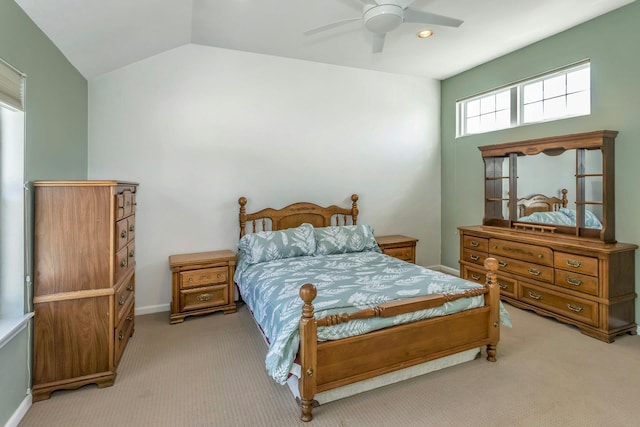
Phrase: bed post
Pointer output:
(493, 300)
(354, 208)
(242, 217)
(308, 351)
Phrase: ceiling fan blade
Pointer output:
(378, 42)
(330, 26)
(404, 3)
(413, 15)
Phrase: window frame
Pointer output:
(517, 100)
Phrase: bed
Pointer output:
(337, 312)
(550, 211)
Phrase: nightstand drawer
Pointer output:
(205, 276)
(203, 297)
(405, 254)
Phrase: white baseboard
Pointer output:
(19, 414)
(152, 309)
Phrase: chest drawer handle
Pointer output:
(204, 297)
(130, 286)
(121, 300)
(132, 228)
(572, 263)
(573, 281)
(503, 263)
(132, 253)
(123, 234)
(474, 244)
(475, 276)
(535, 296)
(121, 335)
(130, 318)
(123, 262)
(474, 257)
(502, 285)
(534, 272)
(574, 308)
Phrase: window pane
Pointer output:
(579, 103)
(554, 87)
(532, 112)
(555, 107)
(503, 119)
(473, 108)
(473, 125)
(488, 122)
(533, 92)
(487, 104)
(503, 100)
(578, 80)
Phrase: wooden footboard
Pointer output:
(330, 364)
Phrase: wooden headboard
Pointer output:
(541, 203)
(296, 214)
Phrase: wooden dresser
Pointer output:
(202, 283)
(586, 283)
(398, 246)
(84, 282)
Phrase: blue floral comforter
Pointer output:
(345, 283)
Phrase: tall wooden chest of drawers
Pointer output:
(586, 283)
(84, 282)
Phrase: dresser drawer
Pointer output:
(577, 282)
(405, 254)
(474, 256)
(124, 297)
(507, 286)
(574, 308)
(203, 297)
(521, 251)
(123, 332)
(475, 243)
(578, 263)
(525, 269)
(205, 276)
(474, 275)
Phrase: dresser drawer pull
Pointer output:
(132, 253)
(123, 262)
(132, 228)
(502, 285)
(534, 272)
(572, 263)
(573, 281)
(121, 336)
(121, 300)
(475, 276)
(502, 263)
(474, 243)
(474, 257)
(123, 234)
(204, 297)
(219, 276)
(574, 308)
(535, 296)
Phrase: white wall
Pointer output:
(198, 127)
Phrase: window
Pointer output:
(554, 95)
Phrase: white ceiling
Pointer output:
(98, 36)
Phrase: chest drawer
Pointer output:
(475, 243)
(204, 276)
(577, 282)
(124, 297)
(574, 308)
(521, 251)
(473, 256)
(204, 297)
(578, 263)
(522, 268)
(123, 332)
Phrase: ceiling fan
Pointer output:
(381, 16)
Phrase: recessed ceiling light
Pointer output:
(424, 34)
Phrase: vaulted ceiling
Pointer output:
(98, 36)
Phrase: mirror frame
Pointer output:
(495, 182)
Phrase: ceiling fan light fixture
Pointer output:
(383, 18)
(425, 33)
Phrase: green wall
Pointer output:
(56, 111)
(611, 42)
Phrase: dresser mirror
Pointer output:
(557, 185)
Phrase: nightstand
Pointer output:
(398, 246)
(202, 283)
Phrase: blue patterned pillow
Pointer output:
(271, 245)
(345, 238)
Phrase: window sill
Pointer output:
(11, 326)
